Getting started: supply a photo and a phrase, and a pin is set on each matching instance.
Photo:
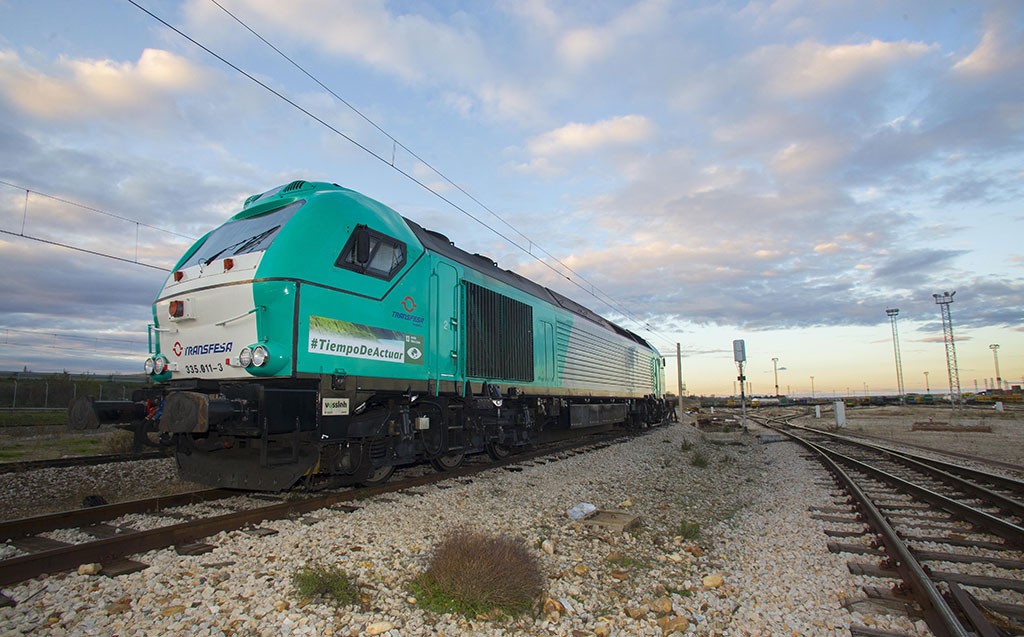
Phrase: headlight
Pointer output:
(149, 366)
(259, 356)
(245, 357)
(159, 365)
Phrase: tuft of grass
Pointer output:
(626, 561)
(689, 530)
(698, 459)
(475, 574)
(686, 446)
(324, 581)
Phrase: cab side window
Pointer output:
(372, 253)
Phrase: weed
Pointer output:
(686, 446)
(699, 460)
(325, 581)
(363, 494)
(725, 459)
(474, 574)
(625, 561)
(689, 530)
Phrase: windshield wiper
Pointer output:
(244, 244)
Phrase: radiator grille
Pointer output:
(499, 336)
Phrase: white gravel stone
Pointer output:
(751, 502)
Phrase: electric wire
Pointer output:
(100, 211)
(11, 330)
(93, 252)
(385, 161)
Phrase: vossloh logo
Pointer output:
(334, 407)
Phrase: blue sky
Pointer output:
(780, 172)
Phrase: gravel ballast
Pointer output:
(758, 566)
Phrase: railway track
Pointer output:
(112, 540)
(77, 461)
(951, 535)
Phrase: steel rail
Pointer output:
(938, 614)
(23, 567)
(21, 466)
(942, 471)
(995, 525)
(34, 525)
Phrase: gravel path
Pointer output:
(759, 566)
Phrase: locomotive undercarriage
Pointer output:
(271, 435)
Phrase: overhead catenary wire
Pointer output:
(68, 246)
(92, 209)
(608, 300)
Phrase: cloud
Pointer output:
(84, 89)
(999, 49)
(575, 137)
(583, 45)
(827, 248)
(811, 68)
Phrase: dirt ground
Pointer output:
(1005, 441)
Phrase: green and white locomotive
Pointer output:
(320, 336)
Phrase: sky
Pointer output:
(778, 172)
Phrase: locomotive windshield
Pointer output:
(242, 236)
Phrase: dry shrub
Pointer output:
(474, 574)
(119, 442)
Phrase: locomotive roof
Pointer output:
(437, 242)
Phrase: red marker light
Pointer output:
(176, 309)
(228, 264)
(179, 275)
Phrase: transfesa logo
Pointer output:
(201, 350)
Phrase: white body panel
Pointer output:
(220, 319)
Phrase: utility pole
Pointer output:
(775, 365)
(995, 355)
(679, 381)
(927, 387)
(812, 388)
(944, 301)
(739, 354)
(892, 314)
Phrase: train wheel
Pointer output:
(380, 475)
(498, 452)
(448, 462)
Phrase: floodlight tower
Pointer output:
(944, 300)
(892, 313)
(775, 365)
(995, 355)
(927, 387)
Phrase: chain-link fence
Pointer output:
(58, 390)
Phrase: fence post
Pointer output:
(14, 401)
(101, 390)
(46, 395)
